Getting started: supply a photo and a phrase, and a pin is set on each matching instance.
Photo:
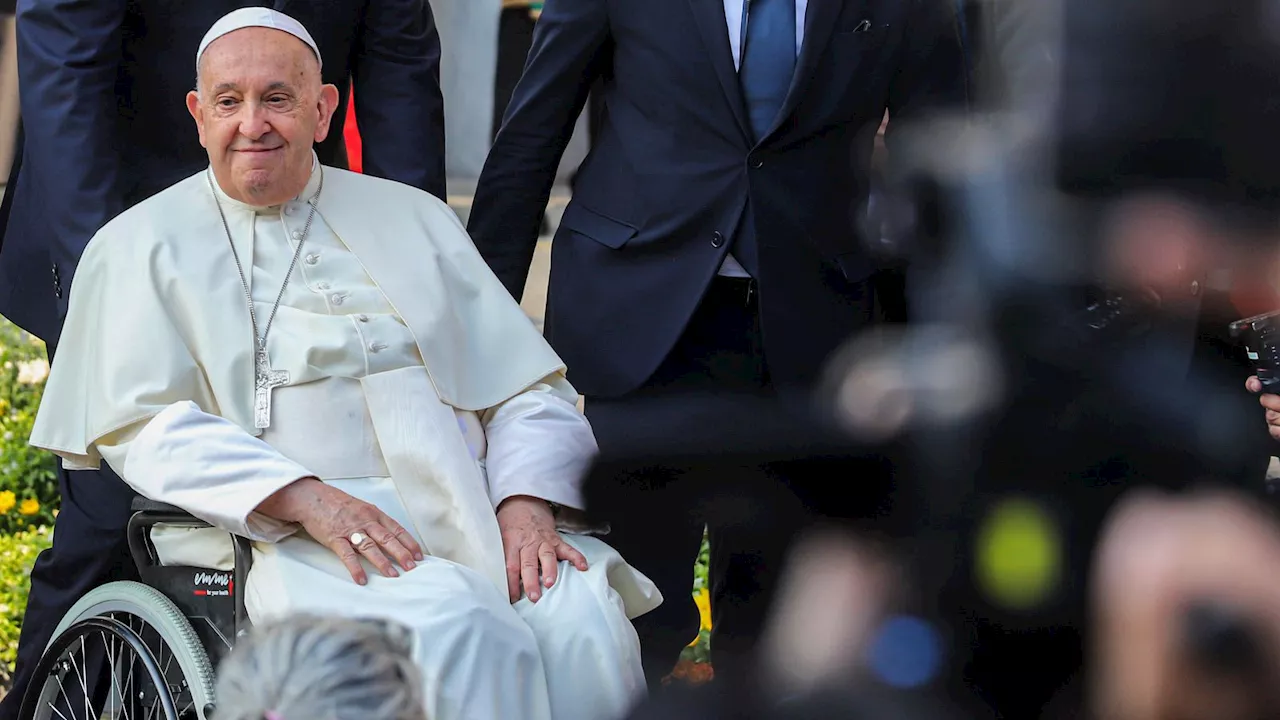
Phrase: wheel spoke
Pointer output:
(63, 688)
(83, 676)
(114, 661)
(128, 686)
(54, 707)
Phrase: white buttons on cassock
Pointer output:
(338, 298)
(376, 347)
(313, 258)
(297, 234)
(288, 210)
(322, 286)
(362, 318)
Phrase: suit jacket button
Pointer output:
(717, 240)
(757, 164)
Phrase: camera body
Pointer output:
(1260, 335)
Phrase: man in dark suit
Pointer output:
(102, 87)
(712, 244)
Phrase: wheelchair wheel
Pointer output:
(122, 652)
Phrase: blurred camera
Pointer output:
(1116, 316)
(1258, 334)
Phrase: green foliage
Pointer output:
(28, 482)
(700, 652)
(17, 554)
(700, 567)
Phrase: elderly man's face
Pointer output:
(259, 108)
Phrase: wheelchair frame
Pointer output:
(201, 612)
(201, 594)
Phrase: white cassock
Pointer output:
(415, 384)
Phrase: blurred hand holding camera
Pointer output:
(1270, 402)
(1187, 600)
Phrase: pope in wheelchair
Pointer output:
(332, 407)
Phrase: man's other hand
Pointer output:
(1268, 401)
(331, 517)
(531, 544)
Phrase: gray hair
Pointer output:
(312, 668)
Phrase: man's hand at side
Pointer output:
(531, 543)
(331, 516)
(1268, 401)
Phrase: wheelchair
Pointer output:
(144, 649)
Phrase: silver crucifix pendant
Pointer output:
(264, 381)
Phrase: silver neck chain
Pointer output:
(261, 340)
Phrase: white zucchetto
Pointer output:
(257, 17)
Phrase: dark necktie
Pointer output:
(768, 59)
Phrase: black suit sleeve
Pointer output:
(513, 189)
(397, 90)
(931, 75)
(69, 56)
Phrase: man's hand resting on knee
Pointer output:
(331, 517)
(531, 543)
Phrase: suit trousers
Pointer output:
(661, 528)
(90, 548)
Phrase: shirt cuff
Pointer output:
(540, 445)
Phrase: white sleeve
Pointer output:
(206, 465)
(539, 444)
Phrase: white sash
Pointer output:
(439, 482)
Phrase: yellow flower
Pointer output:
(30, 506)
(703, 601)
(7, 501)
(702, 598)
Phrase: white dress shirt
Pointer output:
(733, 20)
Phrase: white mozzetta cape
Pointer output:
(158, 314)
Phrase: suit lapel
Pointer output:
(709, 16)
(819, 22)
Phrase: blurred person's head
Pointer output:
(312, 668)
(1166, 117)
(1172, 95)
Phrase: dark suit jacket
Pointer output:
(672, 172)
(106, 126)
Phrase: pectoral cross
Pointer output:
(264, 381)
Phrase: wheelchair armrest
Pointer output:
(149, 513)
(147, 505)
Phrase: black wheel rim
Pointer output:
(127, 684)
